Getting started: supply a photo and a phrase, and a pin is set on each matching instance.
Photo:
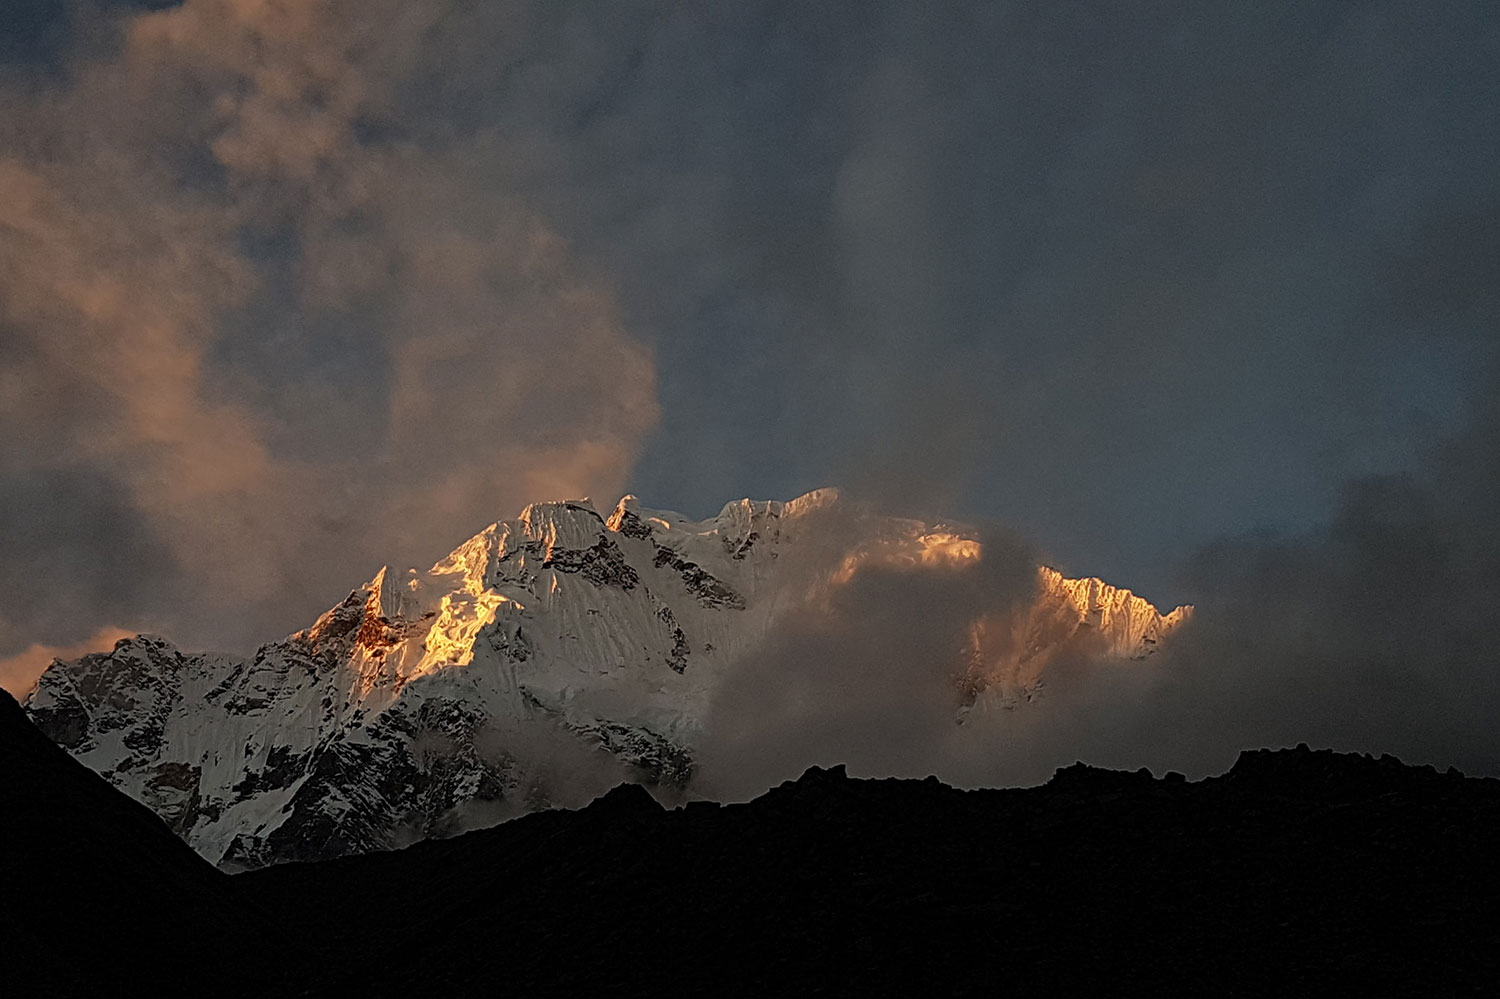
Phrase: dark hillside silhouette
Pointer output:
(1297, 871)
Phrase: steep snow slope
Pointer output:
(541, 662)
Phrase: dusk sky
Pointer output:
(289, 290)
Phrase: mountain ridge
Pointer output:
(1296, 869)
(543, 660)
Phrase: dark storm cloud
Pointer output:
(35, 34)
(1242, 280)
(1376, 632)
(31, 30)
(85, 554)
(1117, 274)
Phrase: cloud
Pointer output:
(1117, 277)
(1372, 632)
(868, 669)
(258, 335)
(290, 290)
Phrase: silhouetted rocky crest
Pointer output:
(97, 893)
(1295, 872)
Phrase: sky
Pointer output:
(1201, 299)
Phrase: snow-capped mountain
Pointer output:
(540, 663)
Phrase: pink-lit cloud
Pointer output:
(290, 343)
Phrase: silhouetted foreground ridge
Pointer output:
(1296, 871)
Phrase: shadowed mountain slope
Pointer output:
(1297, 869)
(96, 891)
(1296, 872)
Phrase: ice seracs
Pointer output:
(541, 662)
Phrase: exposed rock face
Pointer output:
(546, 659)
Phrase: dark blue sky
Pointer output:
(1125, 278)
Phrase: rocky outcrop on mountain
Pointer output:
(546, 659)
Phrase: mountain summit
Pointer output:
(540, 663)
